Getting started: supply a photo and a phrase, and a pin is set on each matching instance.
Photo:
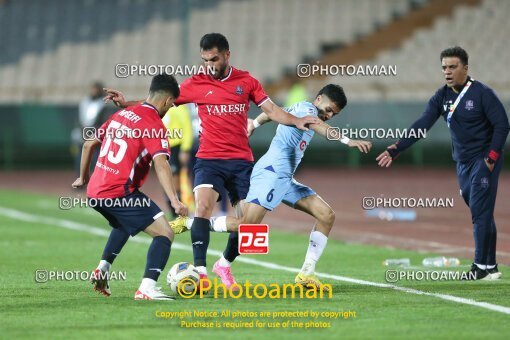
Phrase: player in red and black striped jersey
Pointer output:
(130, 141)
(224, 159)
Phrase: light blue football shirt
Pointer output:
(289, 143)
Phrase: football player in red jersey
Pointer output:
(224, 158)
(130, 140)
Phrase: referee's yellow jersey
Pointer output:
(177, 120)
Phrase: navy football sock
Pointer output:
(200, 240)
(157, 257)
(232, 249)
(116, 241)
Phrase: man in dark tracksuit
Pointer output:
(479, 127)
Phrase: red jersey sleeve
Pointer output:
(157, 146)
(257, 93)
(187, 94)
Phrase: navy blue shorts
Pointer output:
(132, 213)
(232, 175)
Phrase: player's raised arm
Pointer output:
(276, 113)
(332, 133)
(118, 98)
(86, 156)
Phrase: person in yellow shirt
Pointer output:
(297, 94)
(180, 137)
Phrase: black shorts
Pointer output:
(231, 175)
(132, 213)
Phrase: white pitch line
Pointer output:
(23, 216)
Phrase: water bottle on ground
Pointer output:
(392, 214)
(441, 262)
(453, 262)
(397, 262)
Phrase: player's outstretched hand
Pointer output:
(79, 183)
(302, 123)
(362, 145)
(384, 159)
(250, 127)
(180, 208)
(115, 96)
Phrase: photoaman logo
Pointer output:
(189, 288)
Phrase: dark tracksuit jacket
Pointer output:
(479, 128)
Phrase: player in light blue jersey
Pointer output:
(272, 182)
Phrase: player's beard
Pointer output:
(220, 74)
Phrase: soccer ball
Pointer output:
(183, 278)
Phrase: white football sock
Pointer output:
(219, 224)
(491, 267)
(224, 262)
(189, 222)
(308, 266)
(147, 284)
(104, 266)
(316, 246)
(481, 266)
(202, 270)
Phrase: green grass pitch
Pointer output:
(70, 309)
